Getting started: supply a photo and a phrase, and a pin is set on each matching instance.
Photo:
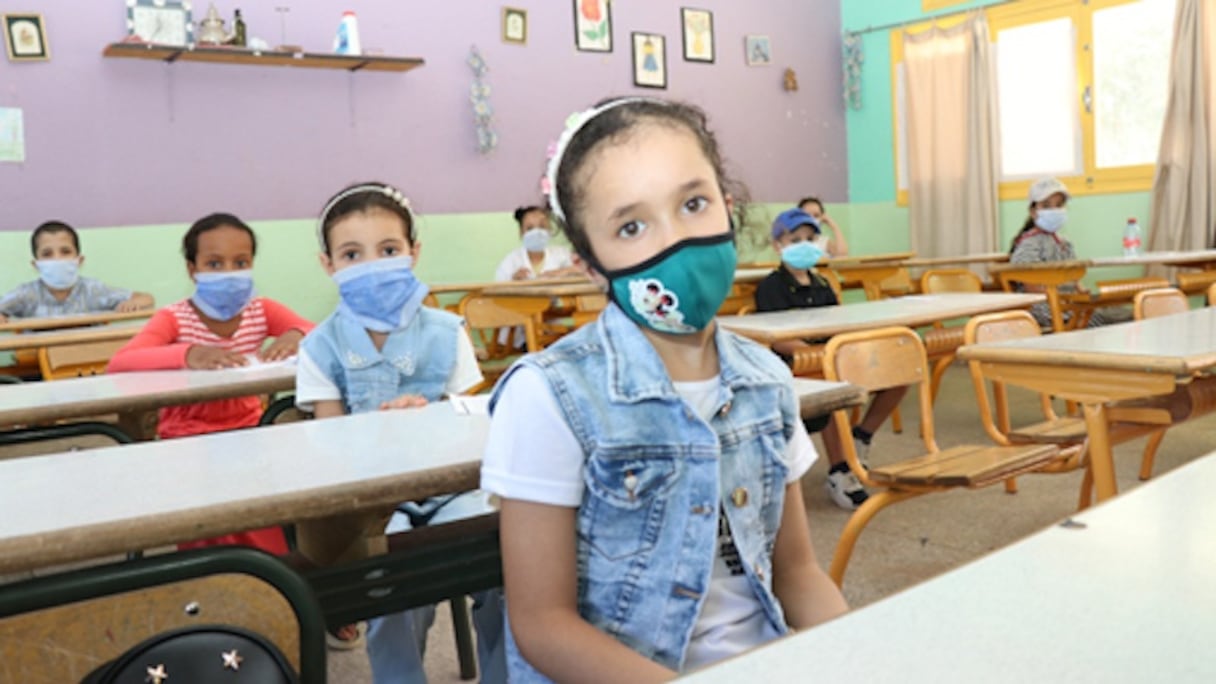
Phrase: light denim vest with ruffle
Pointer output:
(656, 475)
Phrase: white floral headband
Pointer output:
(387, 190)
(574, 124)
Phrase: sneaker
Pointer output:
(845, 490)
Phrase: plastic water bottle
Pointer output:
(1131, 238)
(347, 40)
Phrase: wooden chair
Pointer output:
(1212, 295)
(1107, 293)
(587, 308)
(890, 357)
(1048, 276)
(1064, 431)
(77, 360)
(486, 316)
(950, 280)
(741, 295)
(1159, 302)
(940, 343)
(60, 627)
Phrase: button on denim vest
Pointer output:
(416, 360)
(656, 475)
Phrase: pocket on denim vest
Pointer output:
(623, 512)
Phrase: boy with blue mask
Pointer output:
(795, 285)
(60, 289)
(383, 350)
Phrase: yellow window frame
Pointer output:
(1094, 180)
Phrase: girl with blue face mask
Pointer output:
(383, 349)
(222, 324)
(648, 463)
(537, 256)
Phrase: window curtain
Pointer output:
(1184, 186)
(953, 150)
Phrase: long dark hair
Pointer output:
(1026, 227)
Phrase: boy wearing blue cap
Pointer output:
(795, 285)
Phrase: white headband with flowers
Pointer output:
(574, 124)
(387, 190)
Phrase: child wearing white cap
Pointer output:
(1040, 241)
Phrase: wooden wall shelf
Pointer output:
(225, 55)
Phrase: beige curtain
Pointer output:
(1184, 187)
(953, 152)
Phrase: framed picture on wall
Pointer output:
(758, 49)
(514, 25)
(593, 25)
(649, 60)
(698, 27)
(25, 38)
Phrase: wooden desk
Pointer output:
(1127, 594)
(331, 476)
(57, 322)
(1101, 365)
(1203, 259)
(478, 286)
(565, 287)
(984, 258)
(133, 394)
(913, 311)
(59, 338)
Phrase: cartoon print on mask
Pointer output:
(658, 305)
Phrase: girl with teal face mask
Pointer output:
(648, 463)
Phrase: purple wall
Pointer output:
(129, 142)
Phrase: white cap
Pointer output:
(1046, 187)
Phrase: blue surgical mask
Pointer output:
(58, 274)
(1051, 220)
(680, 289)
(381, 295)
(536, 239)
(802, 255)
(222, 295)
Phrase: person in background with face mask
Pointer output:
(536, 258)
(1040, 241)
(796, 285)
(60, 289)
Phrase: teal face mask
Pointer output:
(680, 289)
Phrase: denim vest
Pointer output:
(417, 359)
(656, 475)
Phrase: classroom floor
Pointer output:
(914, 540)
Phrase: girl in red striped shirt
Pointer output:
(220, 326)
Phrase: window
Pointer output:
(1082, 91)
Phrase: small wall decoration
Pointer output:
(25, 38)
(649, 60)
(758, 50)
(479, 97)
(790, 81)
(514, 25)
(593, 25)
(854, 58)
(163, 22)
(698, 34)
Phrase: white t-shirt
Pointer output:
(532, 455)
(556, 256)
(313, 385)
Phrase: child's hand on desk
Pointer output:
(521, 274)
(404, 401)
(201, 357)
(138, 301)
(284, 347)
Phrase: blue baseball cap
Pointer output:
(792, 219)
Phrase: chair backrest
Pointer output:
(741, 295)
(1162, 301)
(881, 359)
(833, 281)
(898, 284)
(996, 327)
(950, 280)
(486, 315)
(54, 439)
(60, 627)
(1196, 282)
(1212, 295)
(77, 360)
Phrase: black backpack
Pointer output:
(205, 653)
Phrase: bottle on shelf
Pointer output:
(238, 29)
(1131, 238)
(347, 40)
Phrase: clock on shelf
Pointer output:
(163, 22)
